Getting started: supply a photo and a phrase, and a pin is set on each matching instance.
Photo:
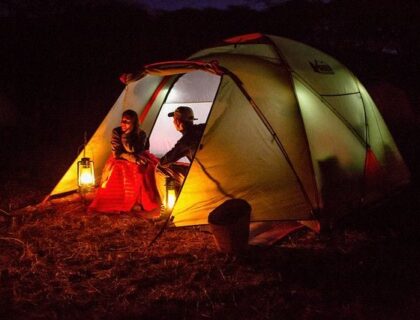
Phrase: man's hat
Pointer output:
(183, 113)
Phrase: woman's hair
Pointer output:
(132, 115)
(132, 137)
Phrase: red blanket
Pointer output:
(125, 184)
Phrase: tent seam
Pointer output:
(289, 69)
(272, 132)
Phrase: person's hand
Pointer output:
(161, 168)
(166, 165)
(129, 157)
(142, 160)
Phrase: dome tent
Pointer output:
(288, 128)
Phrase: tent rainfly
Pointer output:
(288, 128)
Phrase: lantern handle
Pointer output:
(84, 144)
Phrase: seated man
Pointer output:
(183, 118)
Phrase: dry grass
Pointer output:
(58, 262)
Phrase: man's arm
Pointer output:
(181, 149)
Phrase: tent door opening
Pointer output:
(196, 90)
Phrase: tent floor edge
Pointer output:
(313, 225)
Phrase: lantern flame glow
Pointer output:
(171, 193)
(86, 175)
(170, 202)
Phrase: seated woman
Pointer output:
(128, 176)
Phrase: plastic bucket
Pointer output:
(229, 224)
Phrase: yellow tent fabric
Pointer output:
(289, 130)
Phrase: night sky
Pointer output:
(62, 59)
(200, 4)
(171, 5)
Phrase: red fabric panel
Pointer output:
(373, 171)
(152, 99)
(126, 184)
(244, 38)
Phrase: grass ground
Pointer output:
(58, 262)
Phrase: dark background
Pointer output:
(61, 62)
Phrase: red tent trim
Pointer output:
(245, 38)
(183, 66)
(152, 99)
(373, 175)
(372, 165)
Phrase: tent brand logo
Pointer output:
(321, 67)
